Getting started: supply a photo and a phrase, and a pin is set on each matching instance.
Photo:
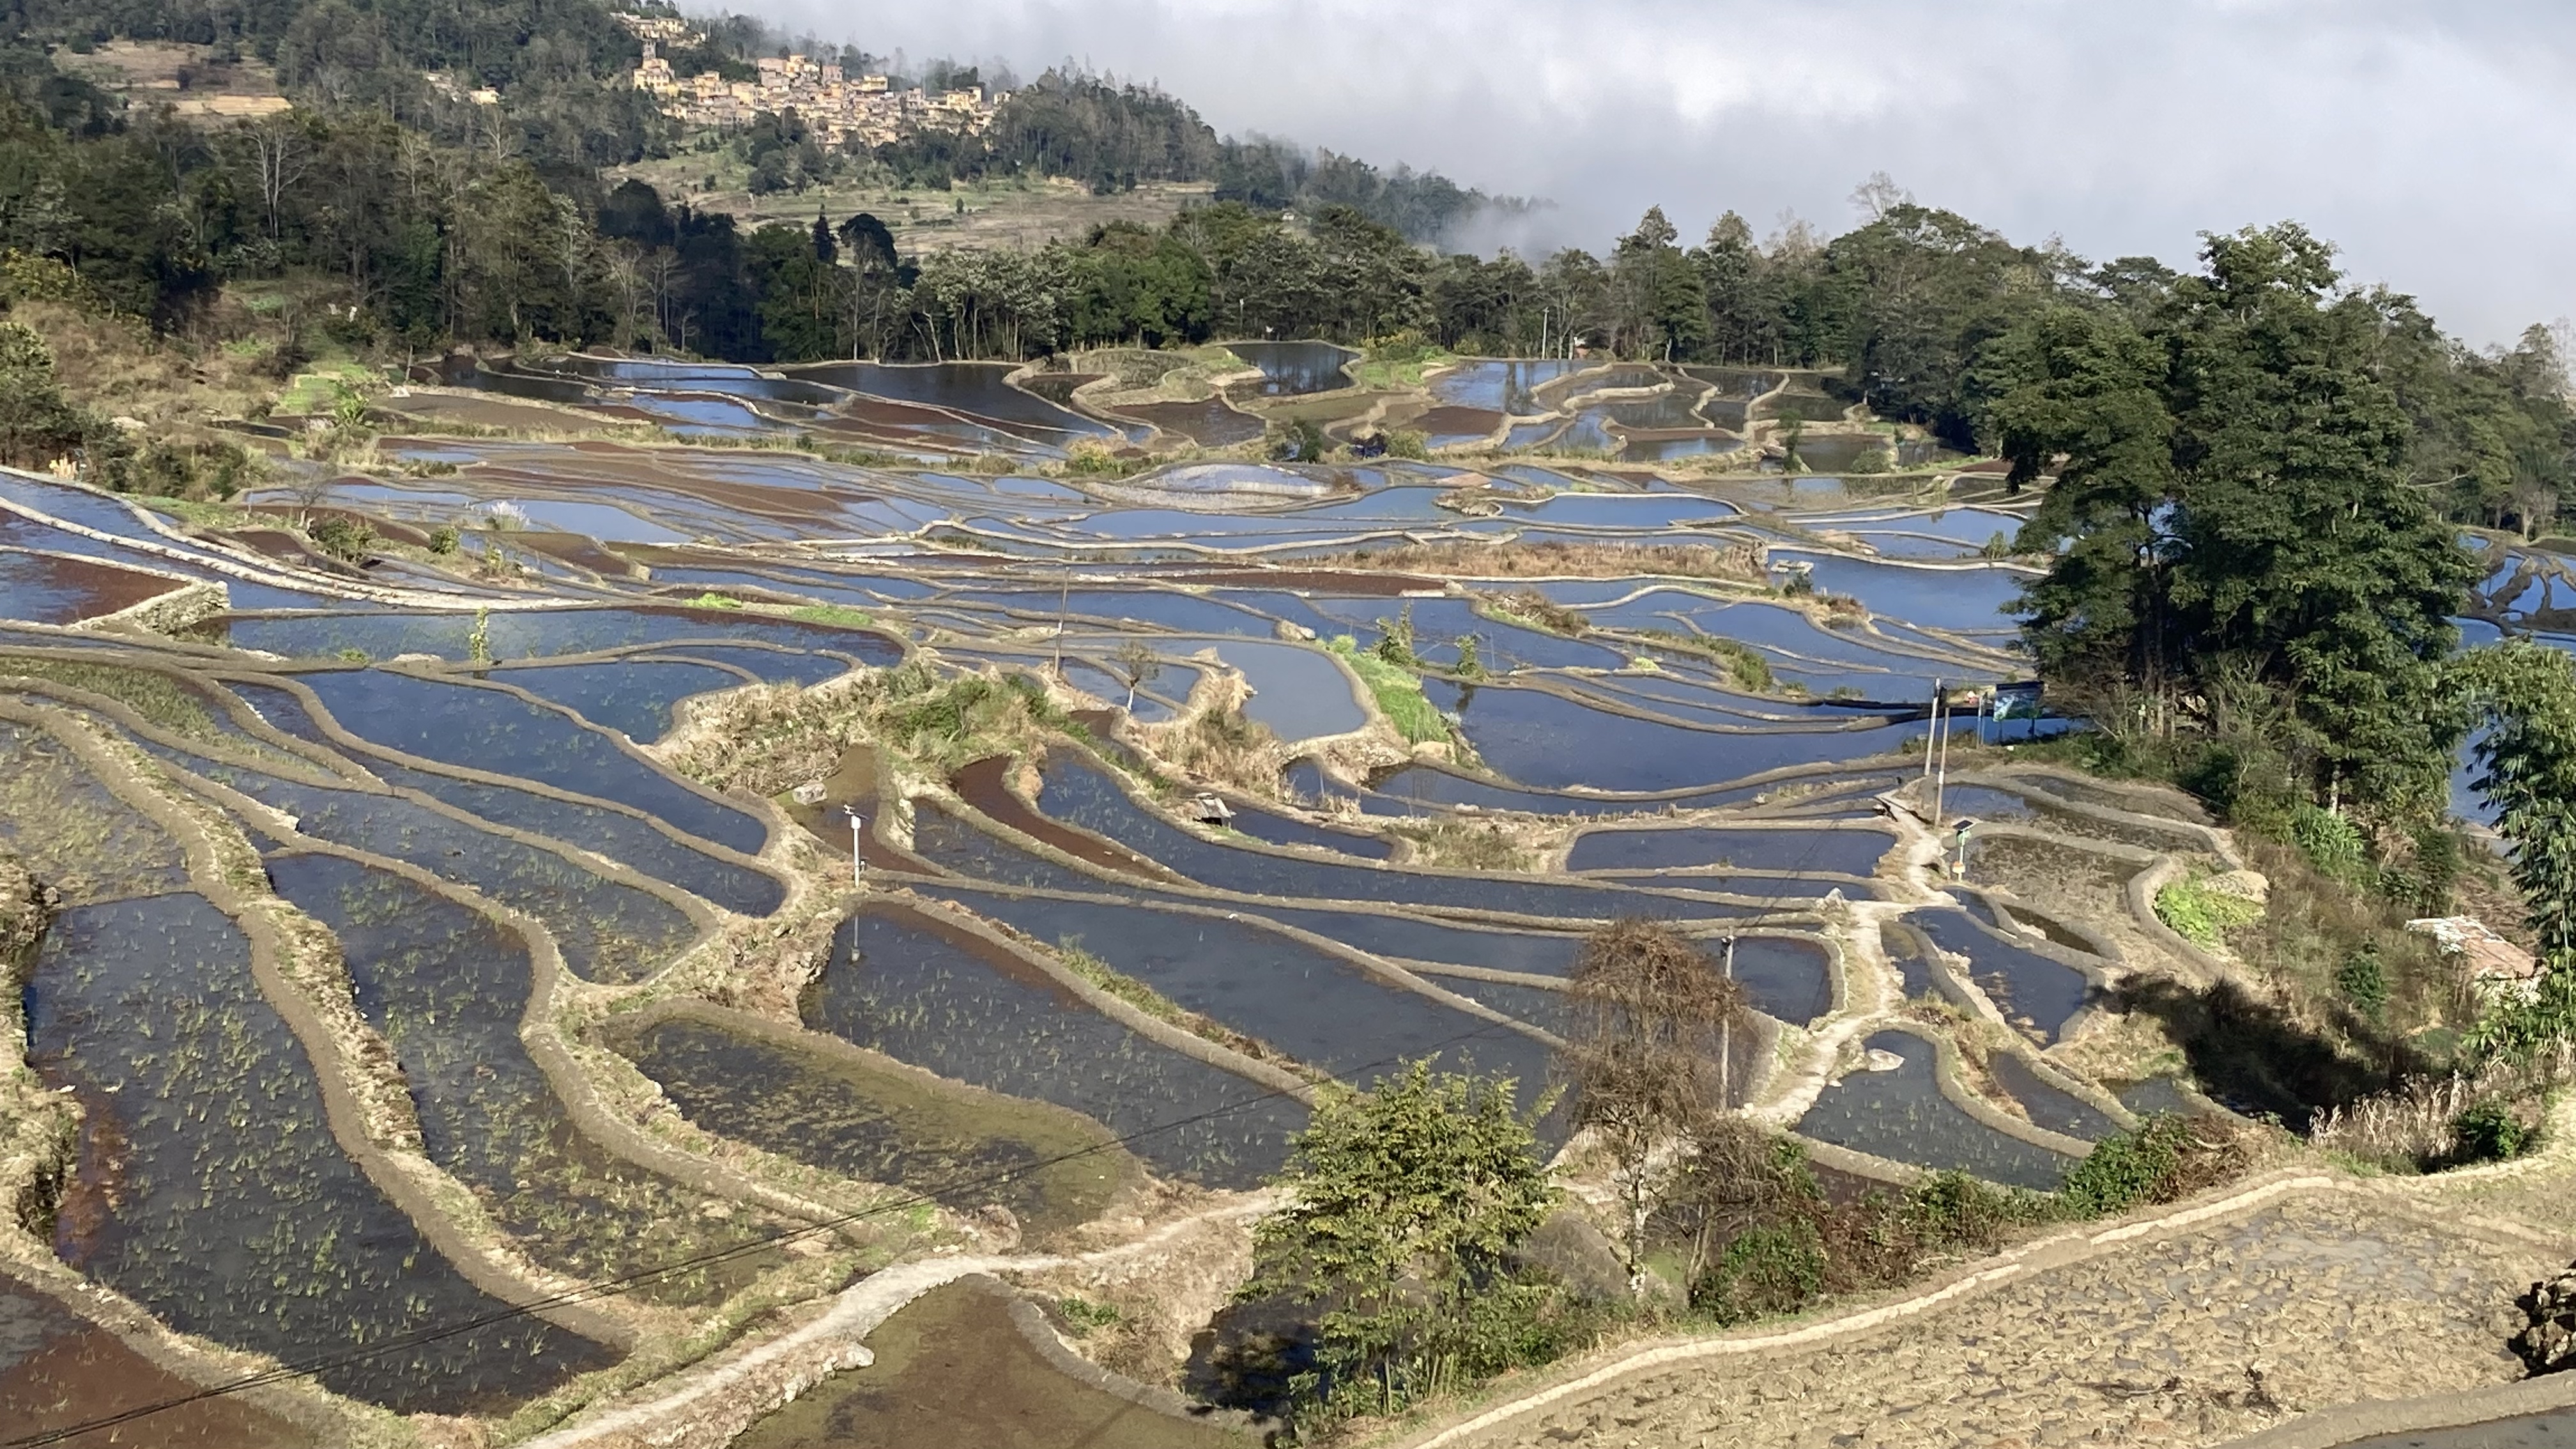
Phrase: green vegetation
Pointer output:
(2203, 914)
(2234, 479)
(1398, 361)
(840, 614)
(1747, 670)
(1405, 1205)
(715, 601)
(2527, 771)
(1397, 689)
(158, 698)
(344, 539)
(1082, 1317)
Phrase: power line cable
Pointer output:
(618, 1286)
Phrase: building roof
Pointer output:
(2488, 955)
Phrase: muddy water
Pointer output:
(210, 1187)
(58, 1369)
(984, 785)
(954, 1370)
(1901, 1115)
(907, 984)
(876, 1122)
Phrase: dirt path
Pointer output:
(719, 1402)
(2238, 1314)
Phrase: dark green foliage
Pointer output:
(2364, 981)
(36, 425)
(343, 538)
(2489, 1132)
(2162, 1159)
(2527, 771)
(1765, 1271)
(1298, 440)
(2234, 484)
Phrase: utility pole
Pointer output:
(858, 858)
(1726, 1039)
(1935, 718)
(1063, 608)
(1941, 778)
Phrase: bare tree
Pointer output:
(1736, 1174)
(280, 151)
(1879, 195)
(1137, 666)
(1653, 1019)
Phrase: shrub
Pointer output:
(1954, 1210)
(344, 540)
(2202, 915)
(2161, 1159)
(1406, 443)
(1298, 440)
(444, 540)
(2489, 1132)
(2333, 842)
(1871, 463)
(2363, 980)
(1749, 670)
(1765, 1271)
(1402, 1206)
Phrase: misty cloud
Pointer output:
(2431, 144)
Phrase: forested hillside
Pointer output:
(388, 212)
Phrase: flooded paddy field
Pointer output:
(1181, 781)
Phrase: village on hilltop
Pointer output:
(838, 106)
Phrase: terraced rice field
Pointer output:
(474, 942)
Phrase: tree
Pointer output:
(2086, 387)
(37, 425)
(1654, 1024)
(1137, 666)
(1404, 1204)
(870, 244)
(1662, 302)
(2526, 694)
(2231, 479)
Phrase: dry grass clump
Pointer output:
(1555, 559)
(1539, 609)
(1464, 845)
(2428, 1123)
(1220, 745)
(765, 740)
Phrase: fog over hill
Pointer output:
(2428, 140)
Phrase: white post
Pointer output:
(1726, 1039)
(1941, 777)
(1934, 719)
(858, 861)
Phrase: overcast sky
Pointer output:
(2434, 142)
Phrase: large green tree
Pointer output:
(2232, 482)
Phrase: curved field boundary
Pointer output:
(722, 1401)
(2047, 1253)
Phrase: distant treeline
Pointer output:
(432, 221)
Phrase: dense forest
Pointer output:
(428, 221)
